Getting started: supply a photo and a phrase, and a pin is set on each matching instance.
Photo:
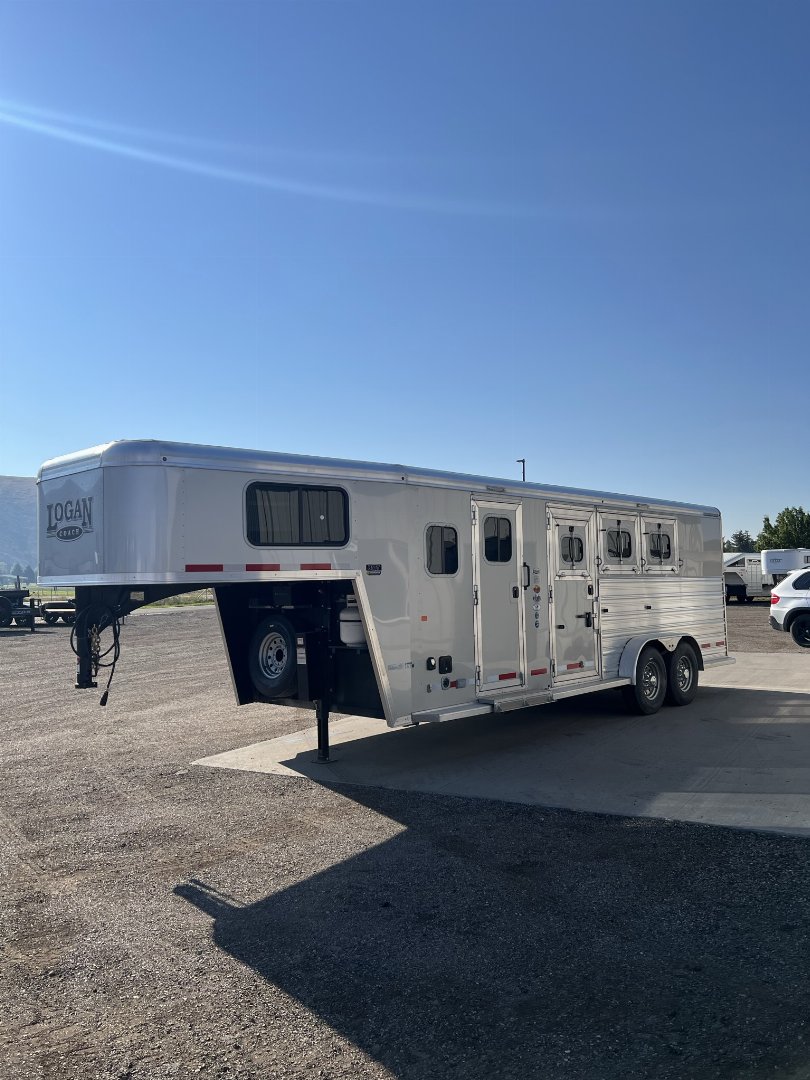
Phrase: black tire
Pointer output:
(647, 695)
(800, 631)
(68, 617)
(682, 675)
(49, 617)
(272, 657)
(23, 620)
(5, 611)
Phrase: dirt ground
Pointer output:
(159, 919)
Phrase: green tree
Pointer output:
(29, 573)
(790, 530)
(742, 540)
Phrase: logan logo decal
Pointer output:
(68, 520)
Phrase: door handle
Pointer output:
(588, 617)
(527, 576)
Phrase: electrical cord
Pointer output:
(105, 617)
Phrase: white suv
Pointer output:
(790, 607)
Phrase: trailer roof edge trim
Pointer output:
(195, 456)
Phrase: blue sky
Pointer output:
(448, 234)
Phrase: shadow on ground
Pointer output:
(497, 940)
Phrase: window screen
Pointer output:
(497, 539)
(442, 549)
(571, 549)
(619, 544)
(285, 515)
(660, 546)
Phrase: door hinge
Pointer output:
(475, 595)
(474, 514)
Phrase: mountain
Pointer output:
(18, 522)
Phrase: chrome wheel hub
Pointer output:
(650, 681)
(273, 655)
(683, 674)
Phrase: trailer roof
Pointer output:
(194, 456)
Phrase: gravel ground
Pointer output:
(160, 919)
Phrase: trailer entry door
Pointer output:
(498, 594)
(574, 603)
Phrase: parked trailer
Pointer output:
(11, 606)
(743, 577)
(777, 563)
(405, 594)
(16, 606)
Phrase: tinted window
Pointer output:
(619, 545)
(660, 546)
(571, 549)
(285, 515)
(442, 549)
(802, 581)
(497, 539)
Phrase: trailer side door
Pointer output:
(497, 594)
(574, 600)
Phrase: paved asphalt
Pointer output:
(162, 919)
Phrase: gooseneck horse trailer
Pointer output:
(385, 591)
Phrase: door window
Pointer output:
(572, 550)
(497, 539)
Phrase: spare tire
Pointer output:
(272, 657)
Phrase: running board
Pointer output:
(452, 712)
(523, 699)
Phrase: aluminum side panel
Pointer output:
(660, 608)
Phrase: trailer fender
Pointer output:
(632, 650)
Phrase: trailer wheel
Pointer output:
(647, 695)
(272, 657)
(68, 617)
(5, 611)
(23, 620)
(682, 675)
(800, 631)
(50, 617)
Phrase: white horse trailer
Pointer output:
(744, 578)
(405, 594)
(777, 563)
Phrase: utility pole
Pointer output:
(522, 462)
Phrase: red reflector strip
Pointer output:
(423, 618)
(204, 568)
(573, 667)
(316, 566)
(508, 675)
(540, 671)
(706, 645)
(262, 566)
(719, 642)
(454, 684)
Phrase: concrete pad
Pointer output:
(736, 756)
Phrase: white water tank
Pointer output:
(351, 626)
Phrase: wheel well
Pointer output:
(792, 616)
